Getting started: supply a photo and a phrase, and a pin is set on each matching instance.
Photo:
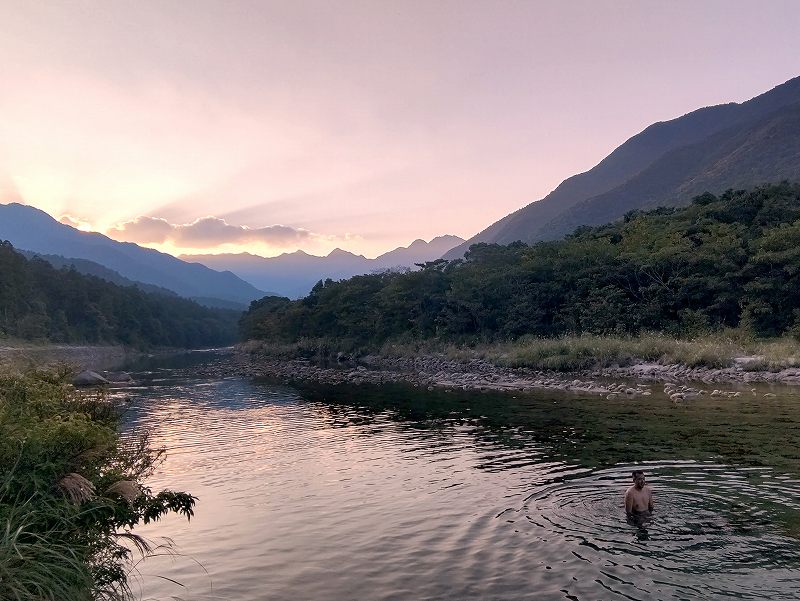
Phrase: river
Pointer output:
(392, 492)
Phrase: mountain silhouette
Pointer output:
(294, 274)
(710, 149)
(31, 229)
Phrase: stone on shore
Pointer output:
(117, 376)
(89, 378)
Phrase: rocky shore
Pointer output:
(79, 357)
(678, 382)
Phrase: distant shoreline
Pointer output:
(437, 370)
(20, 355)
(472, 370)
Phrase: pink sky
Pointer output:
(271, 126)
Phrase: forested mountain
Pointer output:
(31, 229)
(723, 261)
(87, 267)
(293, 274)
(710, 149)
(40, 302)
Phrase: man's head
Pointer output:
(638, 478)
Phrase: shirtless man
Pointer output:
(639, 497)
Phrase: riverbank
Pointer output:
(20, 356)
(614, 370)
(72, 491)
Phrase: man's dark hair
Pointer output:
(636, 473)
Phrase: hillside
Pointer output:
(664, 164)
(42, 303)
(721, 262)
(87, 267)
(31, 229)
(294, 274)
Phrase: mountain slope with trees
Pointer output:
(728, 261)
(87, 267)
(39, 302)
(31, 229)
(621, 180)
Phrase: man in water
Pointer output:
(639, 497)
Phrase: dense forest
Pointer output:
(727, 261)
(40, 302)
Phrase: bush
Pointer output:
(71, 492)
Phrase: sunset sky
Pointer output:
(201, 126)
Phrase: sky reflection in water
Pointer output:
(393, 493)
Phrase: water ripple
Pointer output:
(717, 530)
(306, 499)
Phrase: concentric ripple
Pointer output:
(717, 531)
(378, 496)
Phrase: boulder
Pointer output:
(89, 378)
(117, 376)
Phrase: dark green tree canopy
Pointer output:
(39, 302)
(715, 263)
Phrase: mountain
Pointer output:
(418, 251)
(31, 229)
(728, 261)
(87, 267)
(42, 302)
(294, 274)
(710, 149)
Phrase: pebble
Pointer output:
(477, 374)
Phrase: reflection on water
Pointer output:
(390, 493)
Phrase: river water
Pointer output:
(378, 493)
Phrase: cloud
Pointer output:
(205, 232)
(75, 222)
(146, 230)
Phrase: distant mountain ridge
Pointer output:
(294, 274)
(88, 267)
(710, 149)
(31, 229)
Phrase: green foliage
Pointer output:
(39, 302)
(722, 262)
(63, 520)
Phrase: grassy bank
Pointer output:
(71, 492)
(570, 353)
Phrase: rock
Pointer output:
(117, 376)
(89, 378)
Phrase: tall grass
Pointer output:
(570, 353)
(64, 520)
(587, 351)
(34, 565)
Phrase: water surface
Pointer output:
(395, 493)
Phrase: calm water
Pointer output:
(393, 493)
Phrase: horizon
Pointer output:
(244, 252)
(269, 128)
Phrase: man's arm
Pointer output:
(628, 501)
(650, 500)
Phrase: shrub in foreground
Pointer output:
(71, 492)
